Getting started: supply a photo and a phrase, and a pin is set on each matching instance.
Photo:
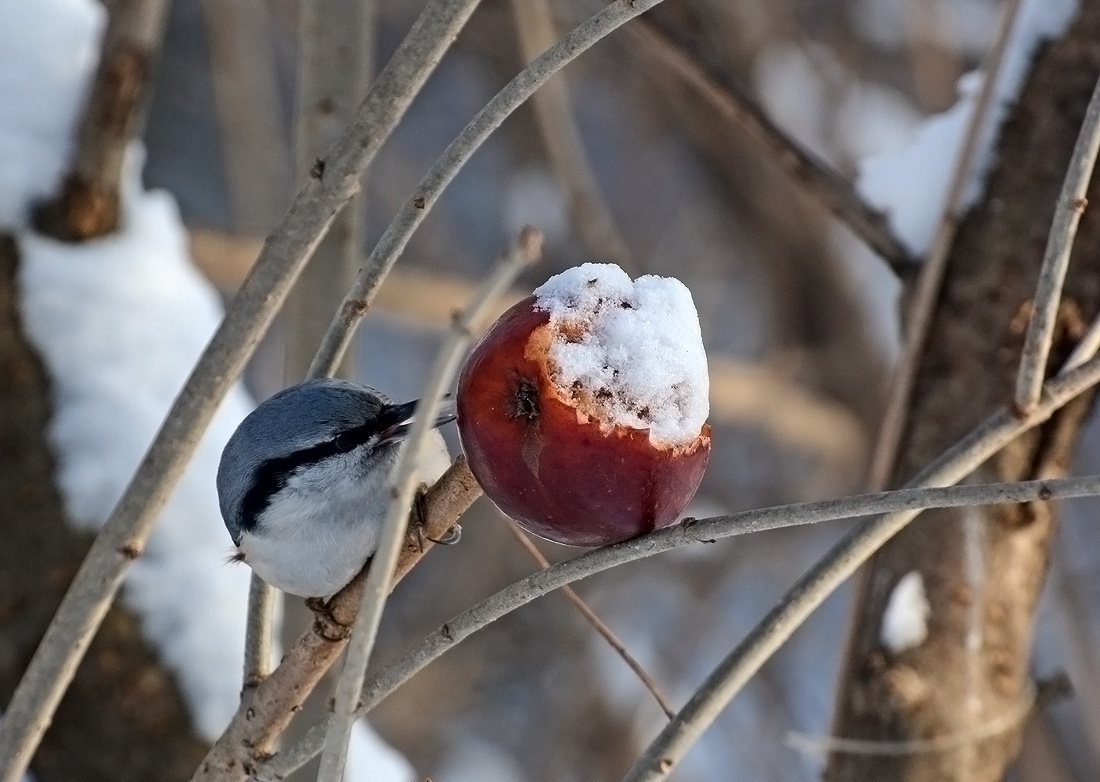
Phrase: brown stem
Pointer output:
(811, 173)
(265, 711)
(593, 619)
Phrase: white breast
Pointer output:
(319, 531)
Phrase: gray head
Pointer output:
(296, 429)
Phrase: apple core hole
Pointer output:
(525, 400)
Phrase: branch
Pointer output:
(823, 183)
(335, 47)
(263, 599)
(522, 253)
(123, 536)
(427, 192)
(336, 42)
(929, 283)
(87, 205)
(248, 107)
(593, 619)
(265, 711)
(564, 147)
(1048, 293)
(837, 566)
(800, 600)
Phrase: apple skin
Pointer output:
(554, 470)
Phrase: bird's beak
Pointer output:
(396, 419)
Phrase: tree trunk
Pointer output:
(123, 718)
(983, 568)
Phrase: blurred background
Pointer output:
(800, 322)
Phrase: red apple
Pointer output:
(550, 459)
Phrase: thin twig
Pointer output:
(926, 290)
(265, 712)
(335, 50)
(263, 599)
(123, 536)
(427, 192)
(87, 205)
(806, 169)
(821, 746)
(1048, 293)
(832, 570)
(800, 600)
(259, 630)
(248, 106)
(593, 619)
(336, 42)
(525, 251)
(564, 147)
(1087, 346)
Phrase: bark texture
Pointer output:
(983, 568)
(123, 717)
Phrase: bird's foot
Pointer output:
(420, 522)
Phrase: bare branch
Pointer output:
(262, 602)
(833, 569)
(334, 52)
(248, 105)
(564, 147)
(88, 202)
(1048, 293)
(900, 506)
(522, 253)
(123, 536)
(593, 619)
(265, 712)
(823, 745)
(823, 183)
(336, 43)
(427, 192)
(926, 289)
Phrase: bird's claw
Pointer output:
(450, 537)
(420, 521)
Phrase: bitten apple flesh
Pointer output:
(549, 458)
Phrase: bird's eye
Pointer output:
(344, 442)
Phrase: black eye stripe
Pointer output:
(273, 474)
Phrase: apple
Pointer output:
(582, 409)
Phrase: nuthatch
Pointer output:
(303, 483)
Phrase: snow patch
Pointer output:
(48, 51)
(910, 183)
(630, 350)
(905, 623)
(964, 25)
(119, 322)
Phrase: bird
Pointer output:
(303, 482)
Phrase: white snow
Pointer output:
(634, 348)
(796, 87)
(910, 183)
(827, 107)
(964, 25)
(48, 49)
(535, 198)
(905, 622)
(119, 322)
